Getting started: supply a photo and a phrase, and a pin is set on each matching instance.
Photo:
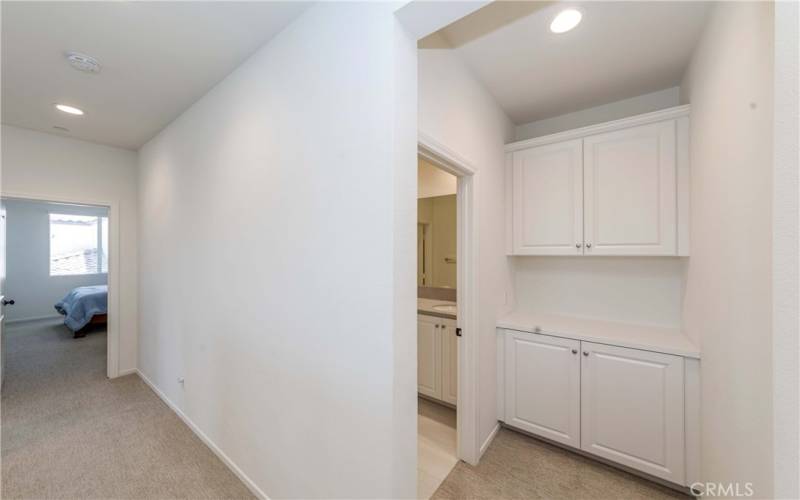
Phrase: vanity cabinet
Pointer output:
(429, 352)
(437, 358)
(621, 404)
(620, 188)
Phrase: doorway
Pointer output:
(447, 402)
(60, 288)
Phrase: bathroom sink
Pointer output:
(446, 308)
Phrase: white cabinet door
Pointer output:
(548, 200)
(632, 409)
(449, 361)
(543, 386)
(429, 378)
(630, 191)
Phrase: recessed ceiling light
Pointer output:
(566, 20)
(69, 109)
(82, 62)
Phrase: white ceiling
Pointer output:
(158, 58)
(620, 50)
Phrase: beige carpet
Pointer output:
(519, 467)
(69, 432)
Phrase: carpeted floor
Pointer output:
(69, 432)
(519, 467)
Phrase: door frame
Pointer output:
(112, 335)
(469, 445)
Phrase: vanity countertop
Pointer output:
(438, 308)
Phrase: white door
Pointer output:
(548, 200)
(2, 291)
(449, 361)
(630, 191)
(632, 409)
(543, 386)
(429, 379)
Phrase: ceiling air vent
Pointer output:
(82, 62)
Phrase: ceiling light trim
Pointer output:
(566, 20)
(66, 108)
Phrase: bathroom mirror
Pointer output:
(436, 241)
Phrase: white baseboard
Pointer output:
(217, 451)
(129, 371)
(489, 440)
(35, 318)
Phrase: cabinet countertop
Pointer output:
(425, 306)
(645, 337)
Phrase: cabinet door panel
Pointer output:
(429, 379)
(632, 408)
(449, 362)
(630, 191)
(548, 200)
(543, 386)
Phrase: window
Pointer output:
(78, 244)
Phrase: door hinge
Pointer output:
(458, 332)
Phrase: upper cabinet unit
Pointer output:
(618, 188)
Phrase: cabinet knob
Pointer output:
(588, 245)
(574, 351)
(585, 353)
(437, 326)
(578, 245)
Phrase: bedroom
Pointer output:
(57, 279)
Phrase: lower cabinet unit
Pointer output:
(621, 404)
(632, 408)
(437, 358)
(429, 352)
(543, 386)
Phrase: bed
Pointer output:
(82, 306)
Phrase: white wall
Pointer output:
(54, 167)
(298, 364)
(786, 248)
(458, 113)
(432, 181)
(28, 279)
(728, 303)
(646, 103)
(643, 290)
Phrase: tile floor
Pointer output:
(436, 446)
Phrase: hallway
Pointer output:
(69, 432)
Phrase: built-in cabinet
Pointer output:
(543, 386)
(620, 404)
(437, 358)
(619, 188)
(632, 408)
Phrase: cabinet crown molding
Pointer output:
(632, 121)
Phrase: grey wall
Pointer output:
(28, 279)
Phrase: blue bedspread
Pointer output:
(81, 304)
